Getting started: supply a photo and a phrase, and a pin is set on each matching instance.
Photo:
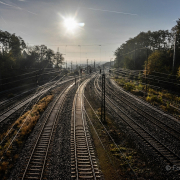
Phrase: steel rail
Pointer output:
(45, 136)
(167, 128)
(85, 162)
(83, 118)
(13, 138)
(100, 139)
(145, 103)
(144, 134)
(12, 110)
(35, 96)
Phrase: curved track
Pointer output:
(148, 116)
(83, 162)
(148, 138)
(6, 114)
(36, 163)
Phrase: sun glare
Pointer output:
(70, 24)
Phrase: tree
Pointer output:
(128, 63)
(50, 55)
(159, 62)
(58, 59)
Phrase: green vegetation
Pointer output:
(15, 55)
(163, 99)
(129, 86)
(156, 46)
(159, 61)
(28, 120)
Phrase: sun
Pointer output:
(70, 24)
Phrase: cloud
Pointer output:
(30, 12)
(9, 5)
(105, 10)
(17, 7)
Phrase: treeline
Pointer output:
(153, 51)
(16, 57)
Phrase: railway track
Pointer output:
(83, 162)
(36, 162)
(13, 109)
(145, 114)
(8, 104)
(167, 154)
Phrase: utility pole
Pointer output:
(66, 65)
(94, 65)
(103, 99)
(57, 56)
(71, 66)
(87, 66)
(174, 55)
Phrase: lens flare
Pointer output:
(70, 24)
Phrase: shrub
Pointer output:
(140, 87)
(154, 98)
(129, 86)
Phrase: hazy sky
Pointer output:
(108, 23)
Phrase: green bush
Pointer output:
(129, 86)
(154, 98)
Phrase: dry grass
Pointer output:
(28, 120)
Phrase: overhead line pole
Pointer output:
(87, 66)
(71, 66)
(174, 55)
